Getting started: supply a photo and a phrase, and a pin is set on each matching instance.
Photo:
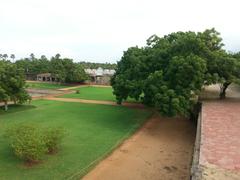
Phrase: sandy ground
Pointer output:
(161, 149)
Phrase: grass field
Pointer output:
(95, 93)
(40, 85)
(93, 131)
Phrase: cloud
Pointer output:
(101, 30)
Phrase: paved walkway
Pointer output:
(220, 137)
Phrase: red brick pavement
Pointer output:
(220, 138)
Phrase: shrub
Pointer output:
(77, 91)
(27, 142)
(53, 138)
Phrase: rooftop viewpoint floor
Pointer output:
(220, 136)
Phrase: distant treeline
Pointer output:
(90, 65)
(65, 69)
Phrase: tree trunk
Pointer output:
(223, 89)
(6, 105)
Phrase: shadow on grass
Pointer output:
(16, 108)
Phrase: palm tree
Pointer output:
(12, 56)
(5, 56)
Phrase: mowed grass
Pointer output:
(95, 93)
(42, 85)
(93, 132)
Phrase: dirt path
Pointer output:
(74, 87)
(161, 150)
(112, 103)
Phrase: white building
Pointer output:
(100, 75)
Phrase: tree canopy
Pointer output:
(12, 84)
(170, 71)
(92, 65)
(62, 68)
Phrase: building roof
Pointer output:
(99, 72)
(45, 74)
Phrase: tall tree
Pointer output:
(12, 56)
(5, 56)
(12, 84)
(169, 71)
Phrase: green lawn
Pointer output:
(94, 93)
(42, 85)
(93, 131)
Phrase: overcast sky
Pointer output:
(100, 30)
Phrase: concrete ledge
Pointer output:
(196, 171)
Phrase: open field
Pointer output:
(93, 131)
(94, 93)
(42, 85)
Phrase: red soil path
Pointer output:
(162, 149)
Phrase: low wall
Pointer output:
(196, 172)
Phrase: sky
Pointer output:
(100, 30)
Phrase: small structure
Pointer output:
(30, 76)
(47, 77)
(100, 75)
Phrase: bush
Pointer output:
(27, 142)
(53, 138)
(30, 142)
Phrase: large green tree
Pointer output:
(227, 69)
(12, 84)
(66, 70)
(170, 71)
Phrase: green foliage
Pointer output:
(27, 142)
(43, 85)
(30, 142)
(94, 93)
(64, 69)
(170, 71)
(12, 83)
(53, 138)
(91, 65)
